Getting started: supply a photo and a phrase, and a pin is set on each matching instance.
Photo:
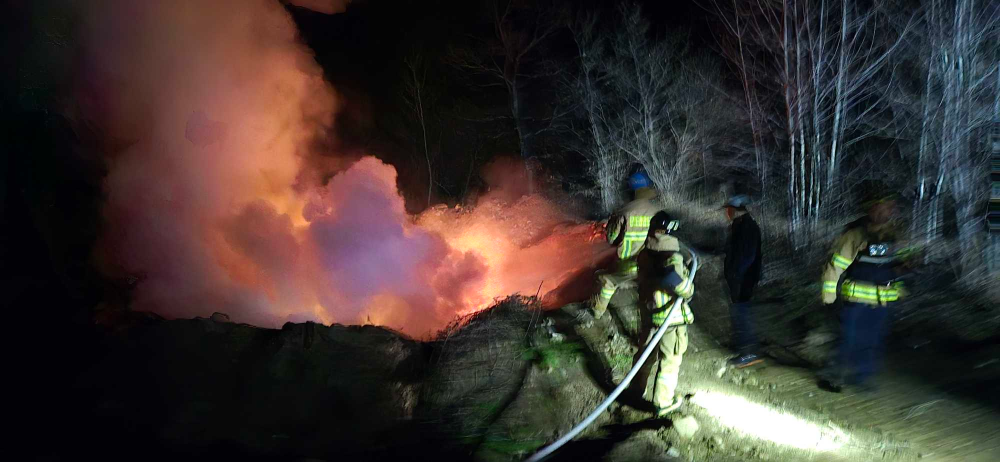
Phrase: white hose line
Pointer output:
(544, 452)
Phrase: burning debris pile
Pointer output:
(225, 192)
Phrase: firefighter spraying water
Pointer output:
(627, 230)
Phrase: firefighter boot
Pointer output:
(600, 306)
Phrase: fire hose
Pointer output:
(547, 450)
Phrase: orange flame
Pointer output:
(217, 197)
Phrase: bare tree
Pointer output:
(417, 97)
(645, 100)
(702, 121)
(672, 105)
(961, 68)
(641, 67)
(520, 28)
(832, 61)
(752, 68)
(587, 89)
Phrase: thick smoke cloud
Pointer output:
(214, 102)
(210, 111)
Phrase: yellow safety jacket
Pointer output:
(663, 268)
(628, 228)
(869, 257)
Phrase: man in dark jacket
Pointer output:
(742, 272)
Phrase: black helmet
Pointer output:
(662, 221)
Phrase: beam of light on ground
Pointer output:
(769, 424)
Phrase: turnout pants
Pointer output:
(672, 346)
(610, 283)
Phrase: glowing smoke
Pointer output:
(215, 197)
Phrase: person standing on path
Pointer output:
(742, 273)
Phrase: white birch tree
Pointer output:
(831, 59)
(961, 73)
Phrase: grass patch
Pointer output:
(505, 445)
(488, 410)
(621, 361)
(516, 443)
(552, 355)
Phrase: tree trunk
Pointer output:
(423, 136)
(838, 111)
(800, 122)
(790, 116)
(523, 134)
(919, 210)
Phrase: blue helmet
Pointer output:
(639, 180)
(739, 201)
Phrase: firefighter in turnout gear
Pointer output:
(663, 277)
(863, 274)
(627, 230)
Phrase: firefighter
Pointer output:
(863, 275)
(627, 229)
(662, 278)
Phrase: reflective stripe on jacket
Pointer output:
(874, 287)
(629, 227)
(664, 301)
(672, 280)
(870, 294)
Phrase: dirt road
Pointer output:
(929, 405)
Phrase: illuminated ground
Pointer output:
(776, 412)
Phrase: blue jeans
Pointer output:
(862, 341)
(744, 339)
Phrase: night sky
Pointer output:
(361, 50)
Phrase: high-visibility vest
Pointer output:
(663, 302)
(663, 299)
(631, 228)
(868, 293)
(868, 262)
(636, 230)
